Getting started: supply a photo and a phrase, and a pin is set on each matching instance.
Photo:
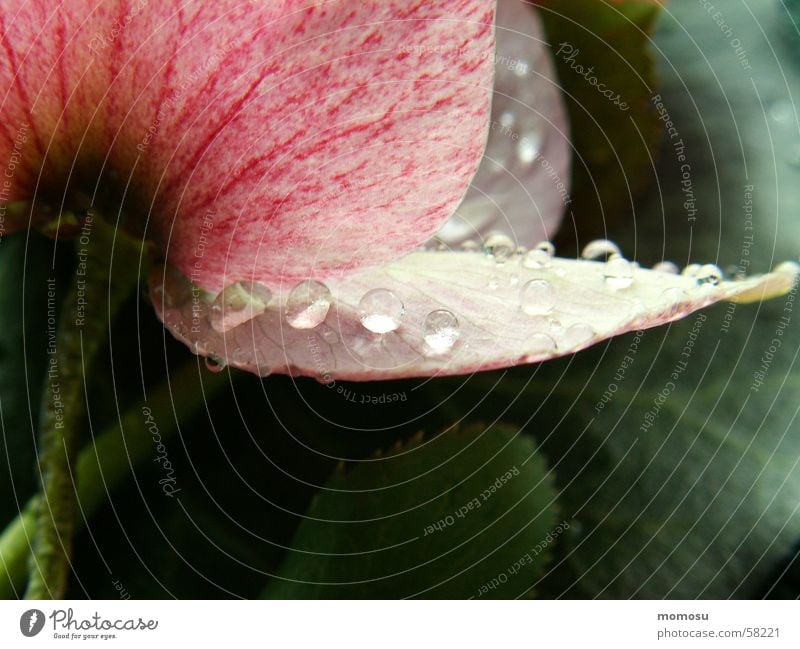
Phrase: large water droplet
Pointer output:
(600, 249)
(499, 247)
(537, 297)
(540, 256)
(308, 304)
(618, 272)
(380, 311)
(691, 270)
(257, 292)
(667, 267)
(238, 303)
(709, 275)
(441, 331)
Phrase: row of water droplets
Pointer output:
(538, 298)
(380, 311)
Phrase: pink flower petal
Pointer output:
(522, 185)
(268, 140)
(440, 313)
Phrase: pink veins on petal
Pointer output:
(267, 141)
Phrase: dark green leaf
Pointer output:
(465, 514)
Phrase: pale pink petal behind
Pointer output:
(522, 185)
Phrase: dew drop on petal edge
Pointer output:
(308, 304)
(709, 275)
(691, 270)
(537, 297)
(540, 256)
(214, 364)
(667, 267)
(257, 292)
(440, 331)
(600, 249)
(499, 247)
(380, 311)
(618, 272)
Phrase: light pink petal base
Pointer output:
(502, 319)
(522, 185)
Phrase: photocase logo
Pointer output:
(31, 622)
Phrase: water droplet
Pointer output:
(380, 311)
(618, 272)
(666, 267)
(238, 303)
(578, 334)
(214, 364)
(600, 249)
(440, 331)
(537, 297)
(308, 304)
(528, 147)
(470, 246)
(506, 119)
(499, 247)
(709, 275)
(257, 292)
(330, 337)
(540, 256)
(691, 270)
(514, 279)
(546, 246)
(493, 283)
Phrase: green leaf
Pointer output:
(466, 514)
(616, 137)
